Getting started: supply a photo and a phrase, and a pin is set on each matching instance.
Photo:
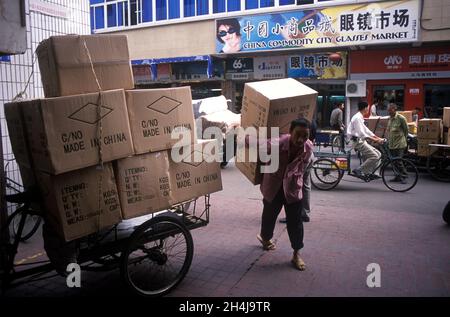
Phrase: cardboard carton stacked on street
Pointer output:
(272, 103)
(429, 131)
(378, 125)
(59, 136)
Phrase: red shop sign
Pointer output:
(401, 63)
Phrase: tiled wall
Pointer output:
(15, 73)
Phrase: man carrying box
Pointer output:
(284, 188)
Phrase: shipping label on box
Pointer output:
(423, 148)
(82, 202)
(155, 113)
(446, 117)
(143, 184)
(275, 103)
(429, 129)
(379, 126)
(17, 132)
(64, 132)
(195, 171)
(66, 67)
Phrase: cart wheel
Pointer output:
(32, 223)
(446, 213)
(326, 175)
(336, 144)
(157, 257)
(399, 175)
(439, 167)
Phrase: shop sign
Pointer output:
(405, 63)
(318, 66)
(332, 26)
(414, 91)
(239, 68)
(272, 67)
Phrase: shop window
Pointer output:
(388, 94)
(218, 6)
(147, 13)
(436, 98)
(174, 9)
(233, 5)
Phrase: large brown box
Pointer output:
(198, 173)
(407, 114)
(66, 68)
(154, 181)
(422, 146)
(429, 129)
(143, 184)
(248, 167)
(275, 103)
(81, 202)
(63, 132)
(17, 132)
(155, 113)
(378, 125)
(446, 117)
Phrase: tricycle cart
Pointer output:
(153, 252)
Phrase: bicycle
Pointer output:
(398, 174)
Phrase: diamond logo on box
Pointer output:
(88, 113)
(192, 156)
(164, 105)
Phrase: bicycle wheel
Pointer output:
(157, 257)
(32, 223)
(336, 144)
(399, 175)
(438, 167)
(325, 175)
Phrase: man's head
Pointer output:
(299, 131)
(392, 109)
(363, 107)
(340, 105)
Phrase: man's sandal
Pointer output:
(267, 245)
(298, 263)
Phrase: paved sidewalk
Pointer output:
(350, 227)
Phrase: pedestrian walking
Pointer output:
(337, 122)
(398, 134)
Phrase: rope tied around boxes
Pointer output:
(99, 129)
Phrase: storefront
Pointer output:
(410, 77)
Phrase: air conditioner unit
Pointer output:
(355, 88)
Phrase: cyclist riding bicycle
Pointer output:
(359, 134)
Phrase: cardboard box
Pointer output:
(379, 126)
(82, 202)
(143, 184)
(275, 103)
(66, 69)
(198, 173)
(155, 113)
(429, 129)
(422, 146)
(407, 114)
(447, 138)
(248, 167)
(17, 132)
(63, 132)
(446, 117)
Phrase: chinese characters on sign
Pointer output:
(391, 21)
(270, 67)
(317, 66)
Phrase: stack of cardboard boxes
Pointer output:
(272, 103)
(429, 131)
(60, 140)
(379, 124)
(446, 125)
